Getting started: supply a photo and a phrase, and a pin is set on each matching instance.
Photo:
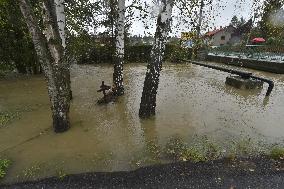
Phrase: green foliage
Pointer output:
(90, 53)
(4, 164)
(85, 50)
(266, 27)
(82, 14)
(139, 53)
(275, 41)
(277, 153)
(61, 174)
(236, 22)
(176, 53)
(16, 47)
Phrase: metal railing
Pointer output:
(256, 52)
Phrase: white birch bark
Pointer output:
(51, 57)
(119, 53)
(61, 20)
(148, 99)
(120, 29)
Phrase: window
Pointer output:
(223, 37)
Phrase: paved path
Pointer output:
(242, 173)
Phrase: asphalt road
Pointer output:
(242, 173)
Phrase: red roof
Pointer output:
(210, 33)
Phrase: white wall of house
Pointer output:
(235, 40)
(223, 37)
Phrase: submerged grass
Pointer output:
(202, 149)
(178, 150)
(199, 149)
(7, 117)
(31, 172)
(4, 164)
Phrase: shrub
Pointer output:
(277, 153)
(139, 53)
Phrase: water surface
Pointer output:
(192, 102)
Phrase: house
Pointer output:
(220, 37)
(227, 35)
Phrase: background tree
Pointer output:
(198, 15)
(16, 47)
(236, 22)
(151, 83)
(49, 46)
(270, 8)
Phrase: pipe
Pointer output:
(270, 84)
(244, 75)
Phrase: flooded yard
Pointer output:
(193, 104)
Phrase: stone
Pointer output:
(241, 83)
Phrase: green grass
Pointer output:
(61, 174)
(4, 164)
(178, 150)
(277, 153)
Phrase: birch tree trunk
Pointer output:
(61, 22)
(119, 53)
(148, 99)
(50, 51)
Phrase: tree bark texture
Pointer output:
(61, 22)
(119, 53)
(151, 83)
(50, 52)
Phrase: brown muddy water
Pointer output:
(193, 104)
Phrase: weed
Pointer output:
(61, 174)
(4, 164)
(31, 172)
(7, 117)
(180, 151)
(277, 153)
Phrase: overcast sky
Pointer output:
(241, 8)
(222, 17)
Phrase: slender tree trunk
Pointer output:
(200, 18)
(61, 22)
(51, 57)
(119, 53)
(148, 99)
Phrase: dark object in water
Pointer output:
(241, 83)
(108, 96)
(244, 75)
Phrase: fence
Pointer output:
(256, 52)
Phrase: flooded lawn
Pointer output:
(194, 106)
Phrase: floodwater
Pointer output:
(192, 102)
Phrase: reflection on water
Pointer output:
(192, 101)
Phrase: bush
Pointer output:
(277, 153)
(176, 53)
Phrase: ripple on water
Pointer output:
(192, 102)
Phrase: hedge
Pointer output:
(133, 54)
